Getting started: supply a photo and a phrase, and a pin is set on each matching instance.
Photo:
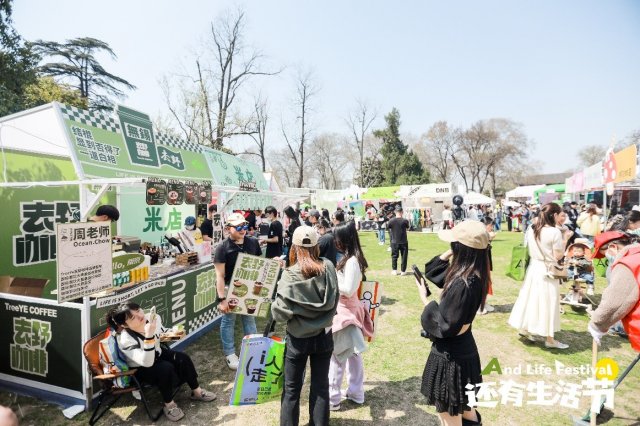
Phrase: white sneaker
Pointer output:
(489, 308)
(590, 291)
(334, 407)
(394, 272)
(405, 273)
(388, 248)
(380, 243)
(232, 361)
(555, 345)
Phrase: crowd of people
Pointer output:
(327, 326)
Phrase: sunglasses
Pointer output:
(239, 228)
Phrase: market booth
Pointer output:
(423, 204)
(58, 164)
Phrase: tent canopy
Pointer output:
(523, 191)
(386, 192)
(477, 198)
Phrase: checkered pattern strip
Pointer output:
(203, 319)
(175, 142)
(90, 118)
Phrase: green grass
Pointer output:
(395, 360)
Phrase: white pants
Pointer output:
(355, 377)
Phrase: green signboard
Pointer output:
(41, 342)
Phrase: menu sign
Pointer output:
(156, 191)
(204, 193)
(252, 285)
(190, 191)
(175, 192)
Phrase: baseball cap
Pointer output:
(398, 208)
(604, 239)
(305, 236)
(470, 233)
(314, 212)
(108, 210)
(235, 219)
(190, 220)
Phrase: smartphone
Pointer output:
(152, 313)
(421, 279)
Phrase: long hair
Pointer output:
(117, 316)
(546, 217)
(468, 262)
(308, 258)
(290, 212)
(348, 242)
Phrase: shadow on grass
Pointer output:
(507, 307)
(578, 341)
(607, 415)
(388, 301)
(390, 403)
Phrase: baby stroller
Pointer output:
(578, 257)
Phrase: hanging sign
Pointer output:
(156, 191)
(175, 192)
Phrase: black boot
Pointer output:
(466, 422)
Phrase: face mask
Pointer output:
(634, 231)
(190, 227)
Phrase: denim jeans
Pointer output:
(381, 235)
(318, 349)
(227, 334)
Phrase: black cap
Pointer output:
(108, 210)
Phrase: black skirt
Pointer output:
(452, 364)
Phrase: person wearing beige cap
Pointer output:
(306, 301)
(224, 261)
(536, 313)
(454, 361)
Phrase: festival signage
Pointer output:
(370, 295)
(156, 193)
(41, 345)
(190, 191)
(626, 164)
(252, 285)
(175, 192)
(593, 177)
(84, 259)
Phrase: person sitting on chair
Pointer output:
(138, 338)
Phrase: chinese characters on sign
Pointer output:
(252, 284)
(205, 290)
(84, 259)
(97, 151)
(28, 351)
(37, 242)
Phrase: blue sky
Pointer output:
(568, 70)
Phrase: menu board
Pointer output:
(156, 191)
(204, 193)
(190, 191)
(175, 192)
(252, 285)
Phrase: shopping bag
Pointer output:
(260, 373)
(600, 267)
(519, 263)
(370, 295)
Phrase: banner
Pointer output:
(252, 284)
(260, 374)
(593, 177)
(84, 259)
(370, 295)
(130, 294)
(626, 164)
(41, 342)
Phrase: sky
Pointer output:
(568, 71)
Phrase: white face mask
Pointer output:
(190, 227)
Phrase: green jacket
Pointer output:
(306, 305)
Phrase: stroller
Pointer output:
(578, 257)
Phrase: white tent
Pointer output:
(523, 192)
(477, 198)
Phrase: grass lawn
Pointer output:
(394, 362)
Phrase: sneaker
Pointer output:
(334, 407)
(388, 248)
(530, 337)
(590, 291)
(350, 398)
(380, 243)
(555, 345)
(232, 361)
(174, 414)
(394, 272)
(205, 396)
(405, 273)
(489, 308)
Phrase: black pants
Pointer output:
(396, 250)
(509, 224)
(318, 349)
(170, 369)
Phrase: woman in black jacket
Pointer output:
(454, 361)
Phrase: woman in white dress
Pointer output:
(537, 309)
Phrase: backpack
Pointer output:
(112, 359)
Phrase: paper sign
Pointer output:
(370, 295)
(84, 261)
(252, 284)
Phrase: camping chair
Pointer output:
(90, 351)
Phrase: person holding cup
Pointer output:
(224, 261)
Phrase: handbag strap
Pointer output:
(540, 249)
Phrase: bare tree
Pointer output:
(281, 167)
(359, 122)
(296, 142)
(330, 160)
(591, 154)
(436, 148)
(260, 118)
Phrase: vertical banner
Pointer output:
(84, 259)
(259, 377)
(137, 130)
(370, 295)
(252, 285)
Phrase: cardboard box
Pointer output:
(22, 286)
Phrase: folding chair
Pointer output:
(90, 351)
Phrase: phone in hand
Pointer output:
(152, 314)
(421, 279)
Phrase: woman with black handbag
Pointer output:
(536, 313)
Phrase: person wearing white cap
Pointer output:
(454, 360)
(224, 261)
